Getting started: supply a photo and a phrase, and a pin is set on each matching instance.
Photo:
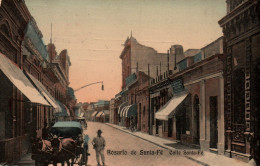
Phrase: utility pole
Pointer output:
(149, 107)
(168, 59)
(149, 73)
(51, 34)
(175, 67)
(136, 67)
(160, 68)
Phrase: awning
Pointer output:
(131, 111)
(94, 114)
(122, 113)
(121, 107)
(99, 114)
(64, 110)
(125, 111)
(45, 93)
(169, 109)
(106, 113)
(17, 77)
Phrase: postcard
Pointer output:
(129, 82)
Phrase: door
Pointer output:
(196, 120)
(170, 123)
(178, 127)
(213, 121)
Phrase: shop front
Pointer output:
(22, 106)
(172, 118)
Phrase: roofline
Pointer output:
(221, 37)
(195, 65)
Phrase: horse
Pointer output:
(65, 153)
(56, 150)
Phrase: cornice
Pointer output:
(238, 10)
(196, 65)
(241, 20)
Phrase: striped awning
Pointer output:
(122, 106)
(94, 114)
(131, 111)
(122, 113)
(99, 114)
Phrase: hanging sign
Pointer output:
(177, 86)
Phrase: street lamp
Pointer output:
(102, 86)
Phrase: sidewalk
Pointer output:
(24, 161)
(207, 159)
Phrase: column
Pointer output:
(202, 116)
(221, 129)
(153, 112)
(174, 132)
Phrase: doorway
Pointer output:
(196, 116)
(170, 123)
(139, 116)
(213, 121)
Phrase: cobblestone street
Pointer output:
(117, 140)
(150, 150)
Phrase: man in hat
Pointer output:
(99, 144)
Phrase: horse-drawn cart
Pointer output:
(64, 144)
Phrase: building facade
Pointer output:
(136, 56)
(14, 17)
(241, 74)
(59, 69)
(112, 110)
(188, 104)
(28, 98)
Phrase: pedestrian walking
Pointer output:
(86, 154)
(99, 144)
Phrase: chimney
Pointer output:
(177, 51)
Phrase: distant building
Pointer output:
(58, 69)
(112, 110)
(137, 57)
(99, 108)
(90, 111)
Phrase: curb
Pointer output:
(190, 158)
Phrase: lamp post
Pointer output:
(102, 86)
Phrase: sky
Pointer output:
(94, 31)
